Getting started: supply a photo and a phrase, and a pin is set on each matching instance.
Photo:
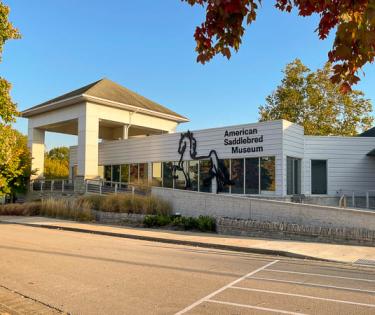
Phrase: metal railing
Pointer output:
(93, 186)
(52, 185)
(357, 199)
(102, 187)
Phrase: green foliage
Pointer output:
(59, 153)
(126, 203)
(7, 108)
(15, 161)
(202, 223)
(14, 157)
(311, 99)
(56, 163)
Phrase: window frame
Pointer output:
(327, 177)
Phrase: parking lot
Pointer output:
(81, 273)
(291, 288)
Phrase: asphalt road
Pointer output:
(91, 274)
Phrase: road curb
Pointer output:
(242, 249)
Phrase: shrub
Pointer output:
(202, 223)
(25, 209)
(206, 224)
(75, 209)
(127, 203)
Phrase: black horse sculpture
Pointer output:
(217, 167)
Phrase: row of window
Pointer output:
(250, 175)
(135, 173)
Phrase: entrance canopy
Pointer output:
(101, 110)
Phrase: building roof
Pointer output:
(368, 133)
(105, 90)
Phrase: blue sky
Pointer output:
(148, 46)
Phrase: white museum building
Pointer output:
(125, 138)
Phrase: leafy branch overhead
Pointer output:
(354, 21)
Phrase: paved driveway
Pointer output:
(92, 274)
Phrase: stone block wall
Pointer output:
(284, 230)
(270, 218)
(118, 218)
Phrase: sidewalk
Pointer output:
(331, 252)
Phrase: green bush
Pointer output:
(206, 224)
(202, 223)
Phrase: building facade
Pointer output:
(269, 158)
(125, 138)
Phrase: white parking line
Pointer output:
(255, 307)
(188, 308)
(318, 274)
(312, 284)
(303, 296)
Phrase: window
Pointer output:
(107, 173)
(225, 164)
(134, 173)
(252, 176)
(205, 183)
(168, 174)
(267, 173)
(157, 174)
(115, 173)
(237, 176)
(125, 173)
(143, 173)
(192, 168)
(293, 176)
(179, 182)
(318, 177)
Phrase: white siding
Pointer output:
(158, 148)
(293, 146)
(348, 166)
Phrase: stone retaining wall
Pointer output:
(284, 230)
(278, 219)
(118, 218)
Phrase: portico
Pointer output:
(100, 111)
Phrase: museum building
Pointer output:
(125, 138)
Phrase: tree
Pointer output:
(15, 161)
(14, 156)
(311, 99)
(59, 153)
(56, 163)
(8, 109)
(354, 21)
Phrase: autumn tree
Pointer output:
(56, 163)
(353, 21)
(311, 99)
(14, 155)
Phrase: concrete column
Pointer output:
(87, 153)
(125, 132)
(36, 139)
